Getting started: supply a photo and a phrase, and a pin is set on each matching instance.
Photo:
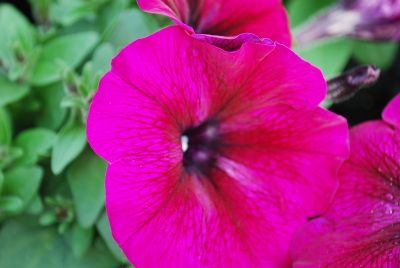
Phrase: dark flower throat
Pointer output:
(200, 146)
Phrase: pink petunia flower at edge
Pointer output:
(362, 228)
(214, 157)
(225, 18)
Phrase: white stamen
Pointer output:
(185, 143)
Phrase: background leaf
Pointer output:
(69, 144)
(1, 181)
(129, 26)
(17, 41)
(40, 247)
(381, 55)
(34, 142)
(330, 56)
(36, 206)
(63, 51)
(102, 58)
(103, 227)
(5, 127)
(50, 115)
(86, 180)
(22, 182)
(10, 204)
(80, 239)
(36, 247)
(11, 92)
(302, 10)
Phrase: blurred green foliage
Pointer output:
(51, 184)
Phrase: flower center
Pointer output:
(200, 146)
(194, 17)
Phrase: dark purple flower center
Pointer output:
(200, 147)
(194, 17)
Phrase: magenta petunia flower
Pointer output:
(361, 19)
(225, 18)
(362, 228)
(215, 157)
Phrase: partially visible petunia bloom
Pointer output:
(361, 19)
(362, 228)
(215, 157)
(225, 18)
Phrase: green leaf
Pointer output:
(5, 127)
(301, 10)
(51, 114)
(79, 239)
(11, 92)
(97, 257)
(48, 218)
(35, 142)
(381, 55)
(65, 51)
(27, 246)
(41, 247)
(102, 58)
(95, 69)
(10, 204)
(108, 14)
(1, 181)
(67, 12)
(22, 182)
(9, 155)
(36, 206)
(17, 40)
(69, 144)
(40, 9)
(86, 181)
(20, 30)
(127, 27)
(74, 102)
(103, 227)
(331, 56)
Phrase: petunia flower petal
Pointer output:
(185, 222)
(241, 208)
(391, 114)
(362, 226)
(191, 77)
(266, 19)
(286, 153)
